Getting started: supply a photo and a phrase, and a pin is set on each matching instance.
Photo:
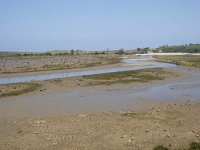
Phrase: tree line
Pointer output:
(191, 48)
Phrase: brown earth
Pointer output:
(171, 125)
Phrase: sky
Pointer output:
(41, 25)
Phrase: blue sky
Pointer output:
(41, 25)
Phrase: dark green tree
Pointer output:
(72, 52)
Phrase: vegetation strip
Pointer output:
(193, 146)
(18, 89)
(188, 60)
(187, 48)
(143, 75)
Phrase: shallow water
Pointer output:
(148, 64)
(121, 97)
(139, 59)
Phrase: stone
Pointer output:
(194, 131)
(131, 140)
(168, 136)
(54, 143)
(123, 136)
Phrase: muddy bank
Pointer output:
(105, 92)
(127, 65)
(171, 125)
(71, 96)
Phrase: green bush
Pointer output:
(160, 147)
(194, 146)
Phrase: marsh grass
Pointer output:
(160, 147)
(144, 75)
(18, 89)
(194, 146)
(188, 60)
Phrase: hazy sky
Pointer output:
(40, 25)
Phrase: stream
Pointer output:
(146, 60)
(117, 97)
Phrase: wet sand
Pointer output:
(56, 100)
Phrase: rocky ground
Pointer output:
(172, 125)
(19, 64)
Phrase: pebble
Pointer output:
(194, 131)
(39, 122)
(130, 140)
(123, 136)
(82, 115)
(168, 136)
(54, 144)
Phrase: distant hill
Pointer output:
(191, 48)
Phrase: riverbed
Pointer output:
(141, 62)
(117, 97)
